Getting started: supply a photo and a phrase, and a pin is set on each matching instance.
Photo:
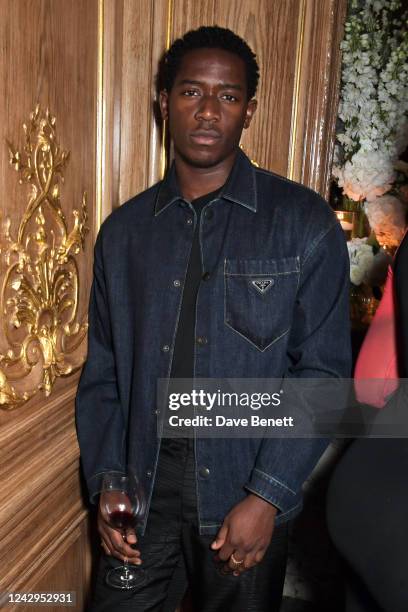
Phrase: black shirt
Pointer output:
(183, 357)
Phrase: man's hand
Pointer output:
(245, 534)
(115, 542)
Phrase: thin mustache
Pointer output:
(203, 132)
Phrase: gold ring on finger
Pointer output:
(235, 561)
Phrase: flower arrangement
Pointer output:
(373, 108)
(361, 257)
(386, 215)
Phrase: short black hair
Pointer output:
(210, 37)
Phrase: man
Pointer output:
(174, 297)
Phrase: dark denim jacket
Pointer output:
(260, 224)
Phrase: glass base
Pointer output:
(125, 577)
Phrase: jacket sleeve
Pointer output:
(318, 347)
(99, 414)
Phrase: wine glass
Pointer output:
(123, 505)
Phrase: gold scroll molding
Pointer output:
(41, 338)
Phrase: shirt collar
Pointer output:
(239, 188)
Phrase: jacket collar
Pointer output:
(239, 188)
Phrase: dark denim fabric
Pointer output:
(260, 227)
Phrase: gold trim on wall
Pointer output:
(296, 89)
(169, 24)
(40, 287)
(100, 118)
(164, 145)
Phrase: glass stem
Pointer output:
(126, 568)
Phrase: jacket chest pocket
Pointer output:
(259, 297)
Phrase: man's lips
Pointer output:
(205, 137)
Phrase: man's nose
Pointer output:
(209, 109)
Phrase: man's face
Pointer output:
(207, 107)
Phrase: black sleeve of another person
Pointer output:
(367, 499)
(401, 288)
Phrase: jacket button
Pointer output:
(206, 276)
(176, 283)
(165, 348)
(189, 221)
(202, 340)
(204, 472)
(149, 473)
(209, 214)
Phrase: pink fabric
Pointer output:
(376, 373)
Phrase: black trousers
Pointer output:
(367, 519)
(173, 552)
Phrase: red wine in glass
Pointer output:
(123, 506)
(122, 520)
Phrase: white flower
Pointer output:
(368, 174)
(387, 218)
(361, 260)
(374, 96)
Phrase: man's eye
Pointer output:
(229, 98)
(190, 92)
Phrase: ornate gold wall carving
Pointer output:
(40, 286)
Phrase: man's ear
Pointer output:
(164, 104)
(250, 111)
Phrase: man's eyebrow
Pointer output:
(222, 85)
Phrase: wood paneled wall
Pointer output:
(48, 57)
(93, 64)
(270, 28)
(297, 45)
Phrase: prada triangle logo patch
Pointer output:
(262, 284)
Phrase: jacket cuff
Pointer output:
(273, 491)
